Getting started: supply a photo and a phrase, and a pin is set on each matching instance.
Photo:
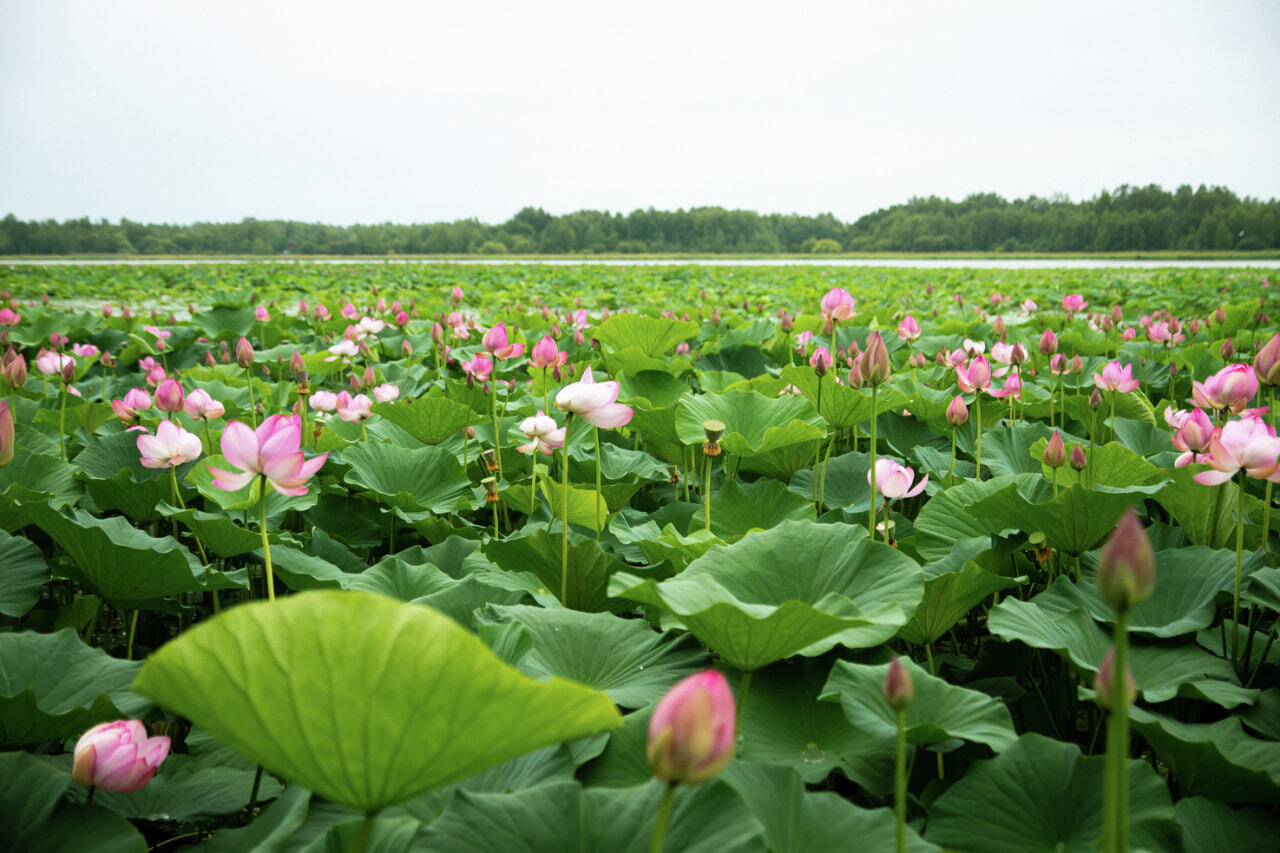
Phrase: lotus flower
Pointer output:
(261, 314)
(821, 360)
(1115, 377)
(1012, 388)
(355, 408)
(1073, 302)
(201, 406)
(894, 480)
(349, 311)
(1246, 444)
(135, 400)
(976, 376)
(8, 317)
(909, 329)
(169, 396)
(118, 757)
(273, 450)
(957, 411)
(1231, 388)
(897, 688)
(595, 402)
(837, 304)
(1195, 433)
(692, 730)
(546, 436)
(479, 367)
(386, 392)
(324, 401)
(170, 446)
(51, 363)
(547, 354)
(495, 341)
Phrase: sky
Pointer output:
(215, 110)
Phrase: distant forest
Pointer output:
(1126, 219)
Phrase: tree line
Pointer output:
(1128, 218)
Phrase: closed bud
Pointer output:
(1078, 460)
(1095, 400)
(69, 371)
(1228, 349)
(1104, 685)
(692, 730)
(1055, 452)
(1048, 342)
(15, 372)
(353, 382)
(1266, 364)
(957, 411)
(244, 352)
(296, 363)
(1117, 314)
(1127, 564)
(406, 348)
(875, 361)
(897, 688)
(369, 378)
(169, 396)
(6, 434)
(999, 327)
(787, 324)
(1220, 316)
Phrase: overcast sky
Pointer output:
(185, 110)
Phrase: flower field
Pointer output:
(400, 557)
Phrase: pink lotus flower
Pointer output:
(972, 348)
(1074, 302)
(546, 436)
(321, 313)
(155, 376)
(595, 402)
(324, 401)
(402, 319)
(1248, 445)
(1128, 334)
(975, 377)
(353, 409)
(273, 451)
(909, 329)
(386, 392)
(118, 757)
(349, 311)
(579, 318)
(692, 730)
(1012, 388)
(169, 396)
(802, 340)
(1115, 377)
(837, 304)
(821, 360)
(1231, 388)
(170, 446)
(495, 341)
(51, 363)
(84, 350)
(547, 354)
(457, 295)
(894, 480)
(261, 314)
(135, 400)
(682, 348)
(8, 317)
(201, 406)
(479, 367)
(1195, 433)
(957, 411)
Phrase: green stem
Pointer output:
(871, 510)
(1235, 591)
(822, 485)
(544, 389)
(364, 435)
(951, 475)
(497, 438)
(1266, 520)
(564, 515)
(660, 822)
(977, 418)
(361, 841)
(596, 431)
(1116, 811)
(744, 687)
(900, 784)
(62, 419)
(302, 413)
(706, 492)
(533, 487)
(266, 545)
(133, 630)
(253, 792)
(1113, 416)
(253, 406)
(495, 519)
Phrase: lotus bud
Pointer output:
(1095, 400)
(897, 688)
(369, 379)
(786, 323)
(456, 295)
(999, 328)
(1266, 364)
(1048, 342)
(69, 371)
(15, 372)
(820, 361)
(118, 757)
(6, 434)
(1078, 460)
(957, 411)
(713, 430)
(296, 363)
(169, 397)
(1263, 319)
(1055, 452)
(1104, 683)
(875, 361)
(107, 359)
(692, 730)
(1228, 349)
(406, 348)
(244, 352)
(1018, 354)
(124, 312)
(1117, 314)
(1127, 565)
(928, 288)
(1220, 316)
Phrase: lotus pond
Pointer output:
(602, 558)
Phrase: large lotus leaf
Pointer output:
(1208, 826)
(708, 818)
(944, 520)
(362, 699)
(270, 831)
(431, 420)
(625, 658)
(799, 588)
(800, 821)
(89, 414)
(30, 790)
(542, 766)
(667, 543)
(1207, 514)
(1134, 406)
(652, 389)
(23, 574)
(539, 552)
(38, 477)
(54, 686)
(1059, 619)
(842, 407)
(655, 336)
(939, 711)
(928, 405)
(218, 534)
(737, 508)
(1110, 464)
(754, 424)
(585, 507)
(783, 723)
(300, 571)
(427, 479)
(1188, 581)
(1043, 795)
(949, 596)
(1076, 520)
(846, 483)
(122, 564)
(1007, 452)
(632, 360)
(74, 828)
(1264, 588)
(1215, 760)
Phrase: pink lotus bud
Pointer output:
(957, 411)
(244, 352)
(875, 361)
(1104, 684)
(402, 319)
(68, 370)
(353, 382)
(261, 314)
(106, 310)
(786, 323)
(169, 396)
(897, 688)
(1220, 316)
(15, 372)
(456, 295)
(1127, 565)
(6, 434)
(368, 379)
(1194, 326)
(1266, 364)
(406, 348)
(296, 363)
(118, 757)
(909, 329)
(1095, 400)
(999, 328)
(1078, 460)
(1048, 342)
(692, 730)
(1055, 452)
(1228, 349)
(1117, 314)
(821, 361)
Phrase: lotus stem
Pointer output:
(596, 431)
(1116, 803)
(253, 792)
(253, 406)
(660, 822)
(744, 687)
(951, 475)
(1113, 416)
(1235, 590)
(266, 545)
(822, 486)
(564, 514)
(533, 483)
(133, 630)
(361, 841)
(497, 437)
(900, 784)
(871, 513)
(706, 492)
(62, 419)
(1266, 520)
(977, 419)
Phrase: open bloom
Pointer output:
(894, 480)
(1195, 432)
(479, 367)
(547, 354)
(546, 436)
(324, 401)
(356, 408)
(118, 757)
(1116, 377)
(495, 341)
(51, 363)
(201, 406)
(974, 377)
(135, 400)
(908, 329)
(595, 402)
(386, 392)
(1245, 445)
(1231, 388)
(692, 730)
(1012, 388)
(1074, 302)
(837, 304)
(8, 317)
(273, 450)
(171, 445)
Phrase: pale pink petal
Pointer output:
(611, 416)
(230, 481)
(240, 446)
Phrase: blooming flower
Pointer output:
(273, 450)
(261, 314)
(837, 304)
(349, 311)
(1231, 388)
(135, 400)
(1115, 377)
(547, 354)
(1012, 388)
(324, 401)
(595, 402)
(84, 350)
(170, 446)
(546, 436)
(386, 392)
(909, 329)
(974, 377)
(495, 341)
(479, 367)
(894, 480)
(8, 317)
(1074, 302)
(118, 757)
(201, 406)
(354, 409)
(1246, 444)
(692, 730)
(51, 363)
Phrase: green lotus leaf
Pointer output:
(23, 574)
(1219, 760)
(430, 420)
(1209, 826)
(755, 424)
(654, 336)
(429, 479)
